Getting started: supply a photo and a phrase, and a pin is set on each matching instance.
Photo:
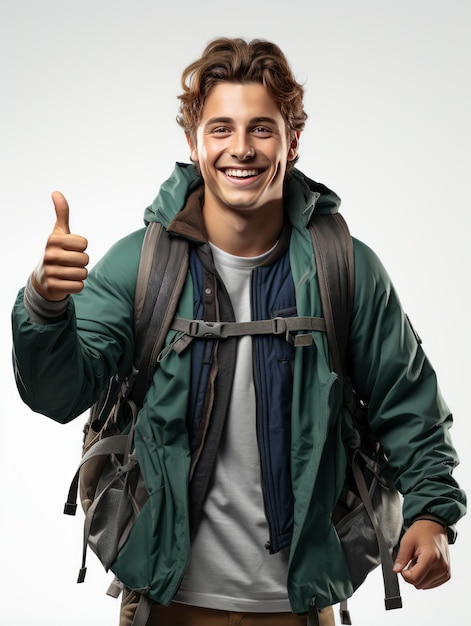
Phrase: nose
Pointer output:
(242, 147)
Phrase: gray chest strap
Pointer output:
(221, 330)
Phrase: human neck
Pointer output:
(243, 234)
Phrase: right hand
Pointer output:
(62, 270)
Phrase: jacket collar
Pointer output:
(178, 203)
(189, 223)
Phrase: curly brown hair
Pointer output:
(240, 61)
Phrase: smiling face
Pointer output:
(242, 147)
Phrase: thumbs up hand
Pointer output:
(62, 270)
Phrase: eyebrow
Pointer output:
(253, 121)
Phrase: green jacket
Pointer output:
(62, 366)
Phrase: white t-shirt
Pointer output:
(230, 568)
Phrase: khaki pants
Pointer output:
(184, 615)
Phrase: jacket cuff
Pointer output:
(41, 310)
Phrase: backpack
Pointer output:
(368, 516)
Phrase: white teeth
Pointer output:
(241, 173)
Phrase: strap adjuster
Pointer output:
(279, 326)
(213, 330)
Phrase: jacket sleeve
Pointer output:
(62, 366)
(407, 413)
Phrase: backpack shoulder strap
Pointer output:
(333, 249)
(162, 272)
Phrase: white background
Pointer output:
(88, 105)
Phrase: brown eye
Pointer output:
(261, 130)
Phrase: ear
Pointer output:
(193, 149)
(294, 145)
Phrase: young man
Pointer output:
(239, 441)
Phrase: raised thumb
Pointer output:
(61, 208)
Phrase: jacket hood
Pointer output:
(303, 196)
